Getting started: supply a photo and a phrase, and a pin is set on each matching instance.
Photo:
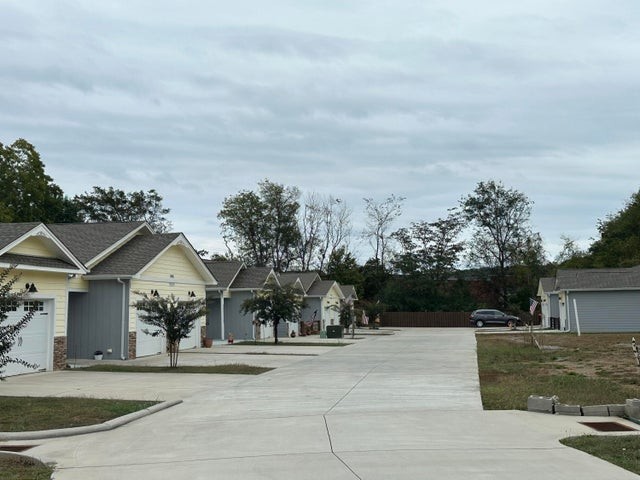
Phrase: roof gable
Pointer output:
(322, 288)
(252, 278)
(224, 271)
(93, 242)
(42, 249)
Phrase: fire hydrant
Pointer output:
(230, 338)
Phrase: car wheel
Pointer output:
(511, 324)
(479, 323)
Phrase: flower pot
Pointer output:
(97, 357)
(208, 342)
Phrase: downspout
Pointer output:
(222, 330)
(125, 326)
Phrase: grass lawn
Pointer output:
(20, 414)
(592, 369)
(623, 451)
(233, 369)
(14, 468)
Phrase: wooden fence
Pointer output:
(426, 319)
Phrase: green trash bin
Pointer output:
(335, 331)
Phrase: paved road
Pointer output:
(396, 407)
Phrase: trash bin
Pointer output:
(334, 331)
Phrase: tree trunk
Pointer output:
(275, 331)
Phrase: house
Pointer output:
(92, 301)
(324, 298)
(237, 283)
(596, 300)
(45, 265)
(549, 306)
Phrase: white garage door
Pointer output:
(193, 340)
(146, 344)
(33, 344)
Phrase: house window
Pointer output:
(33, 306)
(11, 307)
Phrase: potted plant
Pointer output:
(97, 355)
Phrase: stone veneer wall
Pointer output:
(132, 345)
(59, 353)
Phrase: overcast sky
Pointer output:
(365, 98)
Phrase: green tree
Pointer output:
(502, 236)
(275, 304)
(27, 193)
(344, 269)
(171, 318)
(262, 227)
(9, 333)
(619, 242)
(115, 205)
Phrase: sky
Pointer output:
(366, 98)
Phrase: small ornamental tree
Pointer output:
(275, 304)
(171, 318)
(9, 333)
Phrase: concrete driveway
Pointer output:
(404, 407)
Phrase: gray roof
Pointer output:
(598, 279)
(15, 259)
(548, 284)
(320, 288)
(306, 278)
(134, 255)
(349, 291)
(88, 240)
(252, 277)
(12, 231)
(223, 271)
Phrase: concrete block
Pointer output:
(616, 410)
(536, 403)
(562, 409)
(595, 411)
(632, 408)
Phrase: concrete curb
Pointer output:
(100, 427)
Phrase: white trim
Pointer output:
(115, 246)
(41, 230)
(181, 241)
(21, 266)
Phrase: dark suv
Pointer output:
(480, 318)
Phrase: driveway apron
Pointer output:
(404, 406)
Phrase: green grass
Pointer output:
(575, 370)
(232, 369)
(20, 414)
(16, 468)
(623, 451)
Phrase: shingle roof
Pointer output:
(12, 231)
(223, 271)
(134, 255)
(88, 240)
(306, 278)
(320, 288)
(252, 277)
(15, 259)
(596, 279)
(548, 284)
(349, 291)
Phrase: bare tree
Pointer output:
(380, 217)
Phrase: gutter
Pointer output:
(125, 329)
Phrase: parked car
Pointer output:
(480, 318)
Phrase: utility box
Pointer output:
(335, 331)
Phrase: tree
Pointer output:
(262, 227)
(9, 333)
(325, 226)
(430, 248)
(502, 236)
(275, 304)
(344, 269)
(171, 317)
(619, 242)
(27, 193)
(379, 218)
(115, 205)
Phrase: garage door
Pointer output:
(146, 344)
(34, 341)
(193, 340)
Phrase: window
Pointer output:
(10, 307)
(33, 305)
